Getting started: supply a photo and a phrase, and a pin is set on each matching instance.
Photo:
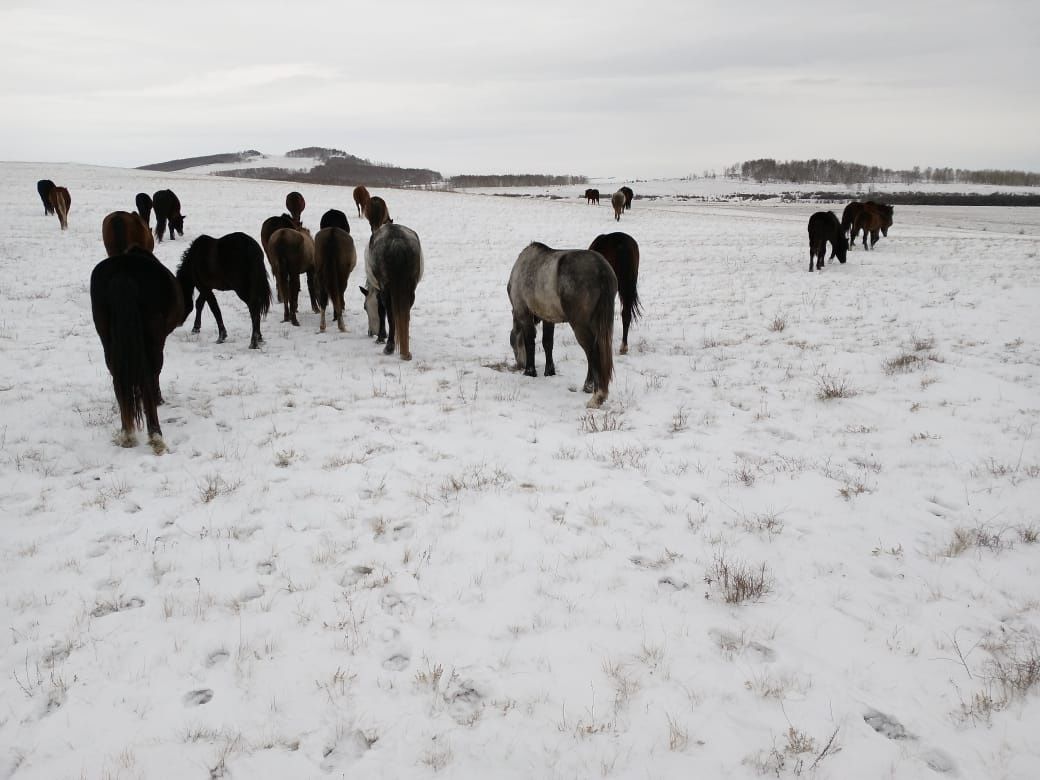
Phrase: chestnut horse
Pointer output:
(267, 229)
(291, 253)
(617, 200)
(122, 230)
(61, 202)
(824, 226)
(622, 253)
(136, 303)
(44, 187)
(295, 204)
(574, 286)
(377, 213)
(361, 199)
(873, 218)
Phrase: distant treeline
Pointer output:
(842, 172)
(514, 180)
(930, 198)
(209, 159)
(346, 171)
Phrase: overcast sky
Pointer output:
(597, 87)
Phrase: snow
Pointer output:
(348, 565)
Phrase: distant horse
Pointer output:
(267, 229)
(167, 210)
(574, 286)
(44, 187)
(291, 253)
(591, 197)
(393, 268)
(143, 201)
(377, 213)
(622, 253)
(136, 303)
(231, 262)
(617, 200)
(628, 197)
(335, 218)
(122, 230)
(873, 218)
(824, 226)
(361, 199)
(334, 259)
(295, 204)
(61, 202)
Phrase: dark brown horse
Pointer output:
(377, 213)
(231, 262)
(334, 259)
(848, 218)
(591, 197)
(361, 199)
(295, 204)
(335, 218)
(61, 202)
(574, 286)
(617, 201)
(622, 253)
(824, 226)
(267, 229)
(143, 201)
(167, 211)
(873, 218)
(122, 230)
(44, 187)
(136, 303)
(628, 197)
(291, 253)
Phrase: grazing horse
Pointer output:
(824, 226)
(628, 197)
(361, 199)
(231, 262)
(571, 285)
(61, 202)
(377, 213)
(44, 187)
(122, 230)
(335, 218)
(143, 201)
(873, 218)
(617, 200)
(591, 197)
(291, 252)
(622, 253)
(295, 204)
(167, 210)
(848, 218)
(267, 229)
(334, 259)
(393, 268)
(136, 303)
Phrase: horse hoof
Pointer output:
(530, 372)
(623, 350)
(254, 345)
(321, 328)
(550, 371)
(295, 322)
(587, 387)
(596, 401)
(222, 338)
(196, 330)
(406, 356)
(380, 340)
(388, 349)
(157, 444)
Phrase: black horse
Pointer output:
(825, 226)
(574, 286)
(622, 253)
(167, 210)
(144, 207)
(136, 303)
(591, 197)
(295, 204)
(232, 262)
(335, 218)
(628, 197)
(44, 187)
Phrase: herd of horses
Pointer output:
(136, 302)
(873, 218)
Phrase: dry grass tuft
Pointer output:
(738, 581)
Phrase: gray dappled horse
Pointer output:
(393, 268)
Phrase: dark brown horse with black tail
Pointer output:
(873, 218)
(361, 199)
(44, 187)
(824, 226)
(393, 268)
(61, 202)
(268, 229)
(122, 230)
(136, 303)
(628, 197)
(622, 253)
(335, 218)
(231, 262)
(143, 201)
(167, 211)
(334, 258)
(291, 252)
(295, 204)
(574, 286)
(591, 197)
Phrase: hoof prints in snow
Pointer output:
(397, 662)
(887, 726)
(199, 697)
(108, 607)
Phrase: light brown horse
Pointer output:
(121, 230)
(291, 253)
(295, 204)
(377, 213)
(361, 199)
(61, 202)
(617, 200)
(334, 258)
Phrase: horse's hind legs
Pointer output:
(548, 329)
(313, 292)
(391, 332)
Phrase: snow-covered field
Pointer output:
(351, 566)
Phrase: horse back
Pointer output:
(294, 250)
(155, 291)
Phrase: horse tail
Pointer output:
(119, 239)
(603, 323)
(259, 284)
(133, 375)
(401, 310)
(628, 281)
